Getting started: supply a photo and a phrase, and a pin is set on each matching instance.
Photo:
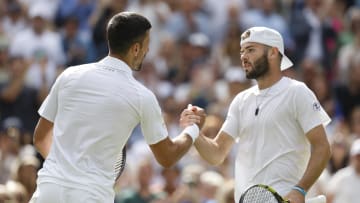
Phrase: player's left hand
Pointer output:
(295, 197)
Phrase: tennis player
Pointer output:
(90, 113)
(278, 123)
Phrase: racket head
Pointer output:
(260, 193)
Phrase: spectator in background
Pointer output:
(10, 136)
(17, 192)
(340, 154)
(347, 51)
(234, 81)
(167, 62)
(344, 185)
(14, 22)
(25, 173)
(81, 10)
(38, 38)
(78, 50)
(17, 99)
(50, 5)
(4, 194)
(188, 19)
(348, 94)
(189, 188)
(225, 193)
(143, 192)
(157, 12)
(325, 93)
(210, 183)
(268, 15)
(99, 21)
(314, 38)
(224, 14)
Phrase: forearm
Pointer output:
(209, 150)
(43, 146)
(319, 158)
(43, 136)
(181, 146)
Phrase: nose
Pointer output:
(243, 57)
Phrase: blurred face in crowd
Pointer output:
(254, 60)
(38, 24)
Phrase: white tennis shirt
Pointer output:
(273, 148)
(94, 108)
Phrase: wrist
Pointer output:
(299, 189)
(193, 131)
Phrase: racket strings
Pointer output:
(259, 195)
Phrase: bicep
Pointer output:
(317, 137)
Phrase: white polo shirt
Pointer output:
(95, 107)
(273, 148)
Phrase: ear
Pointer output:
(273, 53)
(135, 49)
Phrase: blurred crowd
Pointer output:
(193, 58)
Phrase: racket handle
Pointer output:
(317, 199)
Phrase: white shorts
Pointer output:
(51, 192)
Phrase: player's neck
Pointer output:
(126, 59)
(268, 80)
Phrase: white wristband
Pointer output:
(192, 130)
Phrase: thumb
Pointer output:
(191, 107)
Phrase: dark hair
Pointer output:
(124, 29)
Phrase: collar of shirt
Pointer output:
(116, 63)
(279, 86)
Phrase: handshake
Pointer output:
(192, 120)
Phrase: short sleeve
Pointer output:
(152, 122)
(309, 112)
(231, 123)
(48, 108)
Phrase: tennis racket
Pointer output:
(265, 194)
(120, 163)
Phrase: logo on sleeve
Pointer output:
(316, 106)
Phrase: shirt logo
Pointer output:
(316, 106)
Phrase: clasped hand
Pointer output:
(192, 114)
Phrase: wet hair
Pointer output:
(124, 29)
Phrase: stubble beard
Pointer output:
(260, 68)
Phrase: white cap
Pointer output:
(355, 148)
(267, 36)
